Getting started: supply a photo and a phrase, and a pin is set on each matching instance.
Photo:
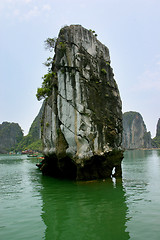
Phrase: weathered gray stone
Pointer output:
(82, 124)
(135, 135)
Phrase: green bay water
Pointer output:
(33, 206)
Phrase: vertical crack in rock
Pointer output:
(82, 120)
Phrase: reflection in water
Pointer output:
(158, 152)
(137, 154)
(38, 207)
(141, 178)
(83, 210)
(20, 200)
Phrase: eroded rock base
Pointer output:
(97, 167)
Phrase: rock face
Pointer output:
(35, 129)
(156, 139)
(33, 139)
(82, 122)
(158, 128)
(135, 134)
(10, 135)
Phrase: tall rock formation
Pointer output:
(135, 134)
(82, 123)
(156, 139)
(158, 128)
(10, 135)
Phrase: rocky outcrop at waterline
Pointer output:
(82, 121)
(135, 135)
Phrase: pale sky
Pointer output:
(130, 29)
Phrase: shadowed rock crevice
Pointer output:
(82, 121)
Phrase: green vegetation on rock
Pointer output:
(156, 140)
(33, 140)
(10, 135)
(46, 89)
(50, 44)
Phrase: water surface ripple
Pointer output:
(33, 206)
